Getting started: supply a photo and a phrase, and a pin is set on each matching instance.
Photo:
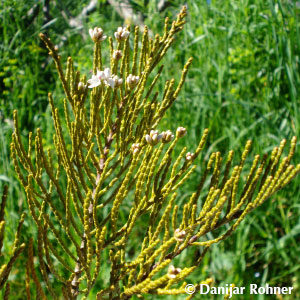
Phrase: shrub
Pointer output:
(110, 170)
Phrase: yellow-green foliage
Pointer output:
(117, 158)
(17, 248)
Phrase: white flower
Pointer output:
(172, 272)
(94, 81)
(121, 33)
(110, 82)
(104, 75)
(181, 131)
(100, 77)
(153, 138)
(97, 34)
(132, 80)
(106, 78)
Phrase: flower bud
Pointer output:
(172, 272)
(148, 138)
(181, 131)
(97, 34)
(167, 136)
(179, 235)
(135, 148)
(153, 138)
(189, 156)
(132, 80)
(117, 54)
(121, 34)
(118, 81)
(81, 87)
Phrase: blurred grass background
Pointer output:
(244, 84)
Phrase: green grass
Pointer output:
(244, 84)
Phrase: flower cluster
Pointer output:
(105, 77)
(97, 34)
(154, 137)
